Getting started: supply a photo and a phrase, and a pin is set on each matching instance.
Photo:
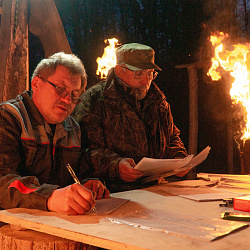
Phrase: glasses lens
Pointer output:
(139, 74)
(62, 92)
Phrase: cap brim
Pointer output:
(143, 66)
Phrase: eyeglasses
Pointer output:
(62, 92)
(138, 74)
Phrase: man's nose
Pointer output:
(66, 99)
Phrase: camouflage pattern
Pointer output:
(117, 125)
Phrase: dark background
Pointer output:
(179, 33)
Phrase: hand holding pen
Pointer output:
(78, 182)
(97, 188)
(74, 199)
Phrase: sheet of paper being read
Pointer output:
(167, 167)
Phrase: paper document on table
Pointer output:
(155, 168)
(107, 206)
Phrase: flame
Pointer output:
(108, 59)
(236, 62)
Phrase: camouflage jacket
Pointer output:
(119, 126)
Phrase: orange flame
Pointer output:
(236, 62)
(108, 59)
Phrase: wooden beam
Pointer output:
(46, 24)
(197, 65)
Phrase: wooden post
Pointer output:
(193, 110)
(193, 116)
(14, 67)
(44, 22)
(245, 157)
(5, 31)
(230, 142)
(193, 113)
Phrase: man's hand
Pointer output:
(127, 171)
(71, 200)
(98, 189)
(181, 174)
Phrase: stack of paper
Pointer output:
(155, 168)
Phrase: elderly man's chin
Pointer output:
(142, 92)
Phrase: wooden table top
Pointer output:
(100, 231)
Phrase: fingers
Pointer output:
(71, 200)
(98, 189)
(181, 174)
(131, 162)
(129, 177)
(82, 196)
(127, 172)
(106, 194)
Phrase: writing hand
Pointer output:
(98, 189)
(71, 200)
(127, 171)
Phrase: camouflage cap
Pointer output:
(136, 56)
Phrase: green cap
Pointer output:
(136, 56)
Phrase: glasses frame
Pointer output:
(153, 73)
(64, 93)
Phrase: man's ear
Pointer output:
(35, 84)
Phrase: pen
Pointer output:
(71, 171)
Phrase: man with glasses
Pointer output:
(127, 118)
(38, 138)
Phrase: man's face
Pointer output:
(142, 84)
(53, 107)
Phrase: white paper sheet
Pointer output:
(107, 206)
(151, 166)
(210, 196)
(155, 168)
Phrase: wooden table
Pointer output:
(98, 231)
